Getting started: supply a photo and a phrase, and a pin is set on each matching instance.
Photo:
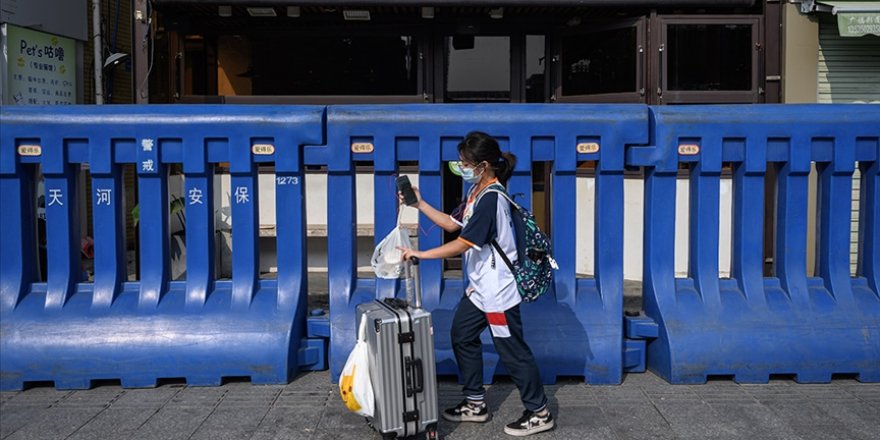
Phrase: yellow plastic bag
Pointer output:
(355, 387)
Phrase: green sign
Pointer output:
(855, 18)
(856, 24)
(41, 67)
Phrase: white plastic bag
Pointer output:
(387, 258)
(354, 383)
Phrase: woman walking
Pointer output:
(491, 298)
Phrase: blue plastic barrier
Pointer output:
(72, 332)
(577, 329)
(750, 326)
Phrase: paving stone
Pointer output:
(824, 392)
(285, 422)
(862, 420)
(14, 417)
(44, 397)
(336, 416)
(231, 422)
(752, 420)
(643, 407)
(695, 420)
(868, 393)
(637, 422)
(572, 395)
(55, 423)
(114, 423)
(6, 396)
(307, 399)
(198, 396)
(798, 412)
(582, 422)
(173, 422)
(256, 396)
(101, 397)
(146, 398)
(643, 380)
(346, 434)
(620, 395)
(824, 432)
(672, 395)
(311, 380)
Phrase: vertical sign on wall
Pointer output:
(41, 67)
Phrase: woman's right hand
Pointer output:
(418, 198)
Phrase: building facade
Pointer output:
(656, 52)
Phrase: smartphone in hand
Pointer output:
(405, 188)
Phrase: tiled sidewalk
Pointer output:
(643, 407)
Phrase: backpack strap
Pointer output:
(503, 255)
(495, 187)
(499, 189)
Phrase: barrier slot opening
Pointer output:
(38, 216)
(725, 217)
(365, 217)
(858, 206)
(585, 219)
(316, 236)
(176, 222)
(682, 220)
(267, 221)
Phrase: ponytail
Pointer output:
(505, 167)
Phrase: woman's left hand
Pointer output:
(408, 253)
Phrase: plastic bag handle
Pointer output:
(362, 330)
(399, 215)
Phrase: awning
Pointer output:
(855, 18)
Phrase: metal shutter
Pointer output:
(849, 68)
(849, 71)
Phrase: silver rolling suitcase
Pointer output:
(402, 368)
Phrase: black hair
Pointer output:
(477, 147)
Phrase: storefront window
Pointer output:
(708, 57)
(477, 69)
(196, 66)
(334, 65)
(535, 63)
(599, 62)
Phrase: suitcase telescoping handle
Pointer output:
(413, 288)
(415, 376)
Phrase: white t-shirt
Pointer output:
(491, 286)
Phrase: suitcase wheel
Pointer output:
(431, 433)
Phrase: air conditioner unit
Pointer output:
(356, 14)
(261, 12)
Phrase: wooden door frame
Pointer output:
(659, 92)
(638, 95)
